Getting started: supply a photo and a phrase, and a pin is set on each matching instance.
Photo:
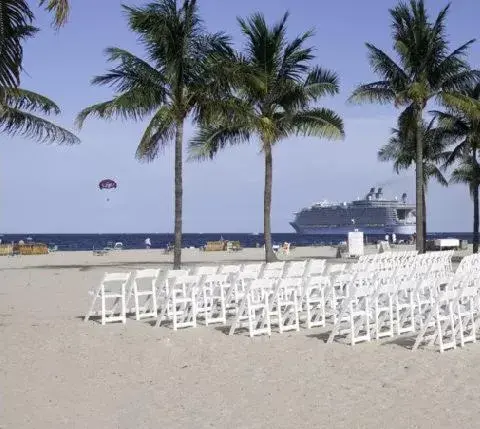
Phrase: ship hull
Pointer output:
(368, 230)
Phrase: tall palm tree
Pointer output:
(468, 172)
(168, 86)
(401, 150)
(274, 87)
(425, 69)
(461, 123)
(19, 109)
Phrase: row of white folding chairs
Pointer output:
(190, 297)
(469, 264)
(122, 287)
(396, 305)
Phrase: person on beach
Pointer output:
(148, 243)
(394, 238)
(387, 238)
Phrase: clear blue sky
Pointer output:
(54, 189)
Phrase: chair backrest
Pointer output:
(252, 268)
(335, 268)
(186, 282)
(172, 274)
(215, 279)
(229, 269)
(295, 269)
(116, 277)
(315, 267)
(147, 274)
(206, 270)
(273, 270)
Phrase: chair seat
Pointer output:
(144, 292)
(113, 295)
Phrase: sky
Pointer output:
(53, 189)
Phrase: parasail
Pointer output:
(107, 184)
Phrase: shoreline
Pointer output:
(190, 257)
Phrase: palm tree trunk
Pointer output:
(177, 250)
(475, 218)
(424, 203)
(419, 182)
(267, 204)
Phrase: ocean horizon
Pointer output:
(82, 242)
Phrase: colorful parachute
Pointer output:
(107, 184)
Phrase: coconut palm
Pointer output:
(468, 172)
(274, 87)
(170, 84)
(424, 69)
(18, 116)
(461, 123)
(401, 150)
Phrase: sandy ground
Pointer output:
(58, 372)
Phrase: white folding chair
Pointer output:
(183, 297)
(113, 286)
(258, 308)
(315, 300)
(148, 279)
(466, 309)
(287, 304)
(213, 298)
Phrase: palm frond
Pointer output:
(318, 122)
(15, 122)
(212, 138)
(15, 26)
(131, 72)
(23, 99)
(320, 82)
(386, 67)
(461, 102)
(134, 104)
(60, 8)
(159, 132)
(379, 92)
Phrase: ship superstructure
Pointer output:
(373, 215)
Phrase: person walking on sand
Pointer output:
(148, 243)
(394, 238)
(387, 238)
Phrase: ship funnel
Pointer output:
(404, 197)
(379, 194)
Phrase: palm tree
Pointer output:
(425, 70)
(468, 172)
(401, 150)
(168, 86)
(273, 88)
(461, 123)
(18, 116)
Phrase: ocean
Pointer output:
(74, 242)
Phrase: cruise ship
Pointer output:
(372, 215)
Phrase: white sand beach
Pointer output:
(59, 372)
